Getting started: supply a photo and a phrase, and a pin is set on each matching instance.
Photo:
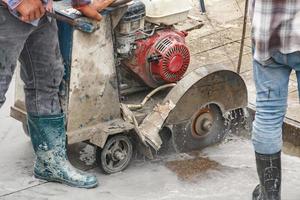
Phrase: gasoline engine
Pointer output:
(150, 46)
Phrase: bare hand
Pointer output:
(31, 10)
(100, 5)
(92, 10)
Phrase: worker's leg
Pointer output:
(295, 63)
(271, 82)
(42, 72)
(13, 35)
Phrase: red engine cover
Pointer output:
(161, 58)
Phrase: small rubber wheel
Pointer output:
(25, 129)
(115, 155)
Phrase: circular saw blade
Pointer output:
(186, 139)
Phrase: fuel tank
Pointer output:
(167, 12)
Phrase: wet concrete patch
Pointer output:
(189, 170)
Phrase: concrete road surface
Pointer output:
(223, 172)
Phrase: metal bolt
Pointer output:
(207, 124)
(119, 155)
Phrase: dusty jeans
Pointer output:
(42, 70)
(272, 80)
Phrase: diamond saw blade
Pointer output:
(206, 127)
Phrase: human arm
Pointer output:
(29, 10)
(91, 9)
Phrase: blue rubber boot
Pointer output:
(48, 138)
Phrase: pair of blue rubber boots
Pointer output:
(48, 137)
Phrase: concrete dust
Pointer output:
(188, 170)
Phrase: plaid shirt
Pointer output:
(275, 27)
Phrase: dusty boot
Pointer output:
(48, 138)
(269, 172)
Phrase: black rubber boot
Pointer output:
(269, 173)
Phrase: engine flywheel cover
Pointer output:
(174, 62)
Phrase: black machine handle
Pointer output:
(82, 23)
(79, 22)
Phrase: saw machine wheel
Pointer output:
(115, 155)
(206, 127)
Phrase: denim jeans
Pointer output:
(42, 69)
(272, 80)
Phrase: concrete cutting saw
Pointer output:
(128, 83)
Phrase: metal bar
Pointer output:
(79, 23)
(202, 6)
(61, 18)
(243, 38)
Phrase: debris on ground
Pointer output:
(187, 170)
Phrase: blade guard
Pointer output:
(208, 84)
